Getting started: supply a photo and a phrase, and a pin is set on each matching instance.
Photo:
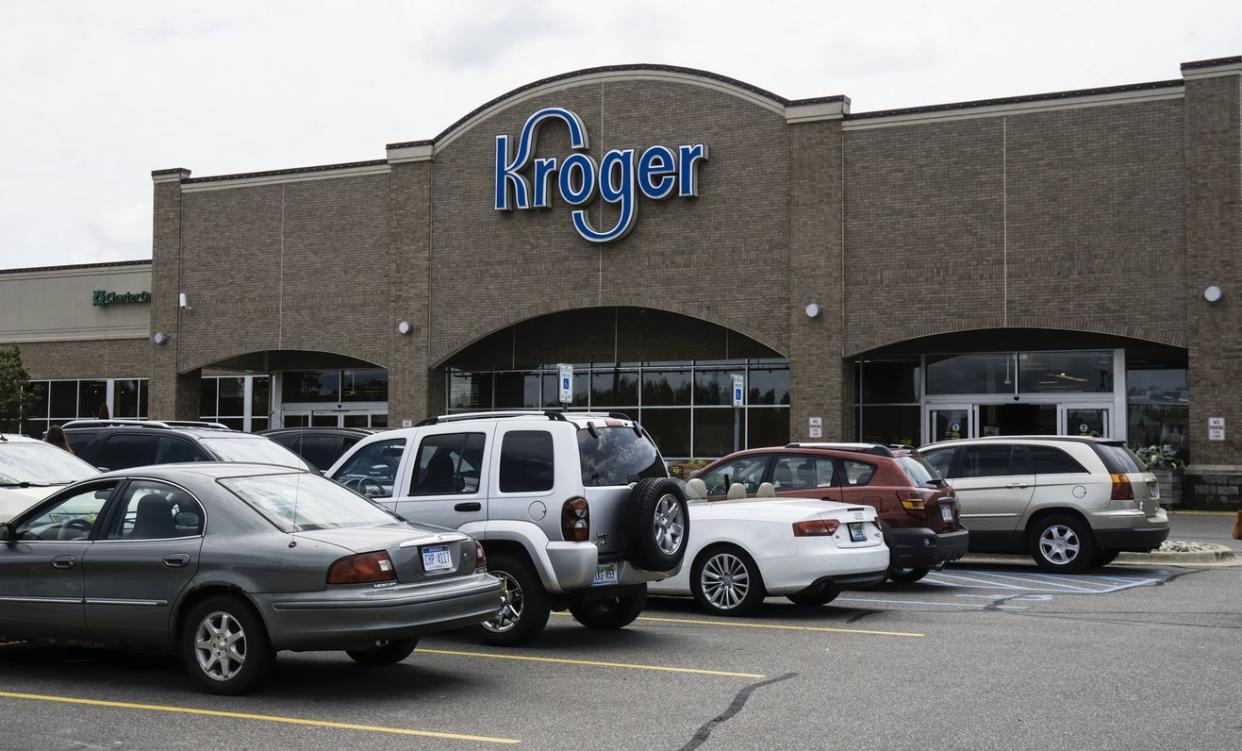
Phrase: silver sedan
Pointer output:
(231, 563)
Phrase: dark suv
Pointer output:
(121, 444)
(321, 446)
(917, 510)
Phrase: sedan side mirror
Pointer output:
(6, 532)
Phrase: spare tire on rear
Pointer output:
(659, 524)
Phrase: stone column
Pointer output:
(1213, 149)
(410, 275)
(173, 395)
(817, 247)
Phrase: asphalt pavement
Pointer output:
(997, 656)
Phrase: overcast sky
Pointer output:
(97, 94)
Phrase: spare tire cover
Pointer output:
(659, 524)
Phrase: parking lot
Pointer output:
(976, 656)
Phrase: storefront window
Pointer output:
(1158, 396)
(310, 386)
(232, 399)
(714, 386)
(768, 386)
(614, 388)
(670, 428)
(369, 385)
(222, 399)
(1056, 372)
(125, 398)
(470, 391)
(58, 402)
(890, 381)
(890, 424)
(515, 390)
(1157, 425)
(767, 427)
(713, 431)
(990, 373)
(666, 387)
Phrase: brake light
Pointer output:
(480, 558)
(362, 568)
(576, 520)
(1122, 489)
(815, 528)
(911, 501)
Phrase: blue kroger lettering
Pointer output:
(618, 178)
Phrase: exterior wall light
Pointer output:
(1212, 294)
(159, 338)
(812, 310)
(404, 328)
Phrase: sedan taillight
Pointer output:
(576, 519)
(480, 558)
(815, 528)
(362, 569)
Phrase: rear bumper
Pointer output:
(574, 564)
(920, 547)
(1131, 532)
(348, 618)
(819, 560)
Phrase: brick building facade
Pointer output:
(1058, 245)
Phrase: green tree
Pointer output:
(14, 395)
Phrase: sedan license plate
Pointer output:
(436, 558)
(857, 533)
(605, 573)
(947, 513)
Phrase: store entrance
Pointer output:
(953, 420)
(293, 418)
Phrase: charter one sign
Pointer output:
(526, 183)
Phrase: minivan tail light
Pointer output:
(815, 528)
(362, 569)
(576, 519)
(1122, 489)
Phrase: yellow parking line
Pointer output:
(587, 663)
(1189, 512)
(779, 626)
(259, 717)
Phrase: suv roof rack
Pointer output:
(876, 449)
(122, 422)
(548, 413)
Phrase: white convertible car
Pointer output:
(741, 551)
(31, 470)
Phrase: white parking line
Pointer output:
(922, 602)
(985, 582)
(1040, 583)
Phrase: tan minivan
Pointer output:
(1071, 502)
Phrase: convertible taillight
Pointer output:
(576, 520)
(362, 569)
(480, 558)
(816, 528)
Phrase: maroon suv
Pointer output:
(917, 509)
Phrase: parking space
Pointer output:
(679, 679)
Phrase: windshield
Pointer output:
(40, 464)
(920, 471)
(617, 456)
(254, 449)
(300, 501)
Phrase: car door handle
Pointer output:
(177, 561)
(64, 561)
(471, 506)
(1018, 485)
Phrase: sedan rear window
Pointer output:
(617, 456)
(299, 502)
(254, 449)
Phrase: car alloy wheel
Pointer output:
(669, 525)
(511, 604)
(1059, 544)
(725, 581)
(220, 646)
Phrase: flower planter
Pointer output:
(1170, 481)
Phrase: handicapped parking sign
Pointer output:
(566, 383)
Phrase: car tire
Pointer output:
(660, 524)
(225, 646)
(386, 652)
(1104, 557)
(610, 613)
(813, 597)
(1062, 544)
(524, 611)
(726, 581)
(908, 574)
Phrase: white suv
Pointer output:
(575, 511)
(1071, 502)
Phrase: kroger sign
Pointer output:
(618, 177)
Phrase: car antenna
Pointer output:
(297, 494)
